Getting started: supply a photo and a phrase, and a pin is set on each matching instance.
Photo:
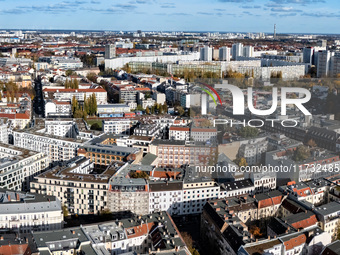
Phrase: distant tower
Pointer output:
(14, 52)
(274, 30)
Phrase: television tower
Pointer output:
(274, 30)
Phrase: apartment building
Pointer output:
(63, 241)
(224, 54)
(237, 188)
(128, 195)
(329, 217)
(303, 170)
(77, 185)
(117, 127)
(57, 108)
(61, 127)
(178, 153)
(56, 148)
(224, 229)
(253, 152)
(166, 196)
(19, 166)
(179, 133)
(263, 181)
(196, 192)
(68, 94)
(269, 203)
(207, 134)
(18, 120)
(147, 234)
(3, 132)
(110, 110)
(313, 192)
(103, 150)
(26, 212)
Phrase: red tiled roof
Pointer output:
(305, 223)
(15, 249)
(140, 230)
(179, 129)
(294, 242)
(142, 89)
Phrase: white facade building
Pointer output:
(118, 127)
(57, 149)
(224, 54)
(25, 212)
(19, 166)
(206, 53)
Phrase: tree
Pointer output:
(69, 72)
(96, 126)
(256, 231)
(75, 83)
(136, 175)
(301, 153)
(74, 104)
(165, 108)
(189, 243)
(241, 162)
(248, 132)
(205, 123)
(338, 232)
(147, 110)
(180, 110)
(139, 108)
(311, 143)
(92, 77)
(126, 68)
(65, 211)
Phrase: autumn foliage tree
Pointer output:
(71, 84)
(311, 143)
(255, 231)
(241, 162)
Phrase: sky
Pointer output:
(290, 16)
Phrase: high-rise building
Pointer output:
(110, 51)
(237, 50)
(324, 63)
(335, 65)
(206, 53)
(308, 53)
(248, 51)
(224, 54)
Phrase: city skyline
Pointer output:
(308, 16)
